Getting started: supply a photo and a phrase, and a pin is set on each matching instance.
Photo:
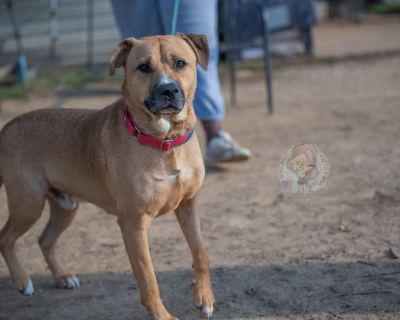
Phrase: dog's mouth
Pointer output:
(169, 110)
(160, 108)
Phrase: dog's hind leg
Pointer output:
(26, 200)
(63, 209)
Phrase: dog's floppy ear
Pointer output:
(199, 44)
(119, 54)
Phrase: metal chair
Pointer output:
(271, 16)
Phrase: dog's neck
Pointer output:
(162, 127)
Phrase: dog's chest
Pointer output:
(170, 186)
(174, 177)
(176, 183)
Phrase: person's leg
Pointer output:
(200, 17)
(154, 17)
(194, 17)
(211, 128)
(209, 102)
(137, 18)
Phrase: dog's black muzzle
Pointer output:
(166, 97)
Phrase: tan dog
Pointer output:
(63, 155)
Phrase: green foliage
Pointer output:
(382, 8)
(47, 81)
(13, 91)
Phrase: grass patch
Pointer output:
(73, 77)
(13, 91)
(49, 80)
(382, 8)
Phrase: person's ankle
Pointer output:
(212, 128)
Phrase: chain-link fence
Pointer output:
(57, 33)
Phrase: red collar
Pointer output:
(161, 144)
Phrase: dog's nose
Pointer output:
(169, 90)
(166, 94)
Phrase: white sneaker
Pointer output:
(223, 148)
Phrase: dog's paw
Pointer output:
(207, 311)
(165, 317)
(28, 289)
(68, 282)
(203, 298)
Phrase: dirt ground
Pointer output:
(373, 35)
(273, 255)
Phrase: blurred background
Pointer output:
(293, 71)
(42, 35)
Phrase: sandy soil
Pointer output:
(339, 38)
(273, 255)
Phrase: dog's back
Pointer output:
(53, 149)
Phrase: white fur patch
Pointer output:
(164, 124)
(67, 201)
(29, 291)
(164, 79)
(208, 311)
(187, 174)
(72, 283)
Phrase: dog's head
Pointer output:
(160, 72)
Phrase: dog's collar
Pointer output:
(161, 144)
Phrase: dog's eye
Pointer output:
(144, 67)
(180, 64)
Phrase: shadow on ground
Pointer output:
(241, 292)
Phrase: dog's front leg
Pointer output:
(134, 232)
(190, 224)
